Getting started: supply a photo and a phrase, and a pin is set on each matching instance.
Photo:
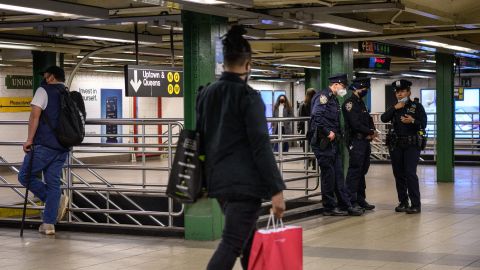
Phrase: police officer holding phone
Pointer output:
(405, 140)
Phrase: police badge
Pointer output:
(323, 99)
(349, 106)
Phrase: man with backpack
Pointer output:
(49, 154)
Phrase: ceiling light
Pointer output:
(108, 58)
(6, 65)
(206, 2)
(445, 45)
(18, 47)
(427, 70)
(416, 76)
(34, 10)
(299, 66)
(339, 27)
(260, 75)
(109, 39)
(371, 72)
(431, 61)
(108, 71)
(271, 81)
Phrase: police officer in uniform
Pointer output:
(359, 132)
(324, 135)
(405, 141)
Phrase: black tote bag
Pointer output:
(186, 178)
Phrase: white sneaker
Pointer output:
(62, 207)
(48, 229)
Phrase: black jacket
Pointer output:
(412, 108)
(357, 118)
(233, 131)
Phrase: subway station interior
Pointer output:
(138, 65)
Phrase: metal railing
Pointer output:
(302, 154)
(100, 197)
(112, 200)
(466, 136)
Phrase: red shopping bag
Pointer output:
(277, 249)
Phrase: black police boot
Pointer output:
(414, 210)
(402, 207)
(334, 212)
(365, 205)
(355, 211)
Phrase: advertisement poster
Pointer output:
(111, 108)
(466, 112)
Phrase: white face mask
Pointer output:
(342, 92)
(404, 100)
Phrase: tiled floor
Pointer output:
(445, 236)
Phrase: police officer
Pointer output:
(359, 131)
(324, 137)
(405, 141)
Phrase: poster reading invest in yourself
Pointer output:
(111, 106)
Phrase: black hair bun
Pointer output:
(236, 48)
(237, 31)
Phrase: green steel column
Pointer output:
(204, 219)
(337, 58)
(445, 118)
(41, 61)
(312, 79)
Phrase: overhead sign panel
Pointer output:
(143, 81)
(385, 49)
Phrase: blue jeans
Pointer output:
(240, 225)
(50, 162)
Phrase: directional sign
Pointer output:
(142, 81)
(15, 104)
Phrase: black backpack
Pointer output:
(70, 129)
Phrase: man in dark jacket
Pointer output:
(239, 164)
(325, 126)
(360, 131)
(48, 155)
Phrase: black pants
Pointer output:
(357, 169)
(240, 224)
(404, 162)
(332, 178)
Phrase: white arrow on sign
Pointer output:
(135, 83)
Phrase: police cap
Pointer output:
(360, 83)
(339, 78)
(401, 85)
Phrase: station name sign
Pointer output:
(19, 82)
(143, 81)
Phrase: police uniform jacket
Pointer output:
(239, 161)
(414, 109)
(326, 113)
(357, 118)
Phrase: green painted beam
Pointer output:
(312, 79)
(204, 219)
(445, 118)
(337, 58)
(41, 61)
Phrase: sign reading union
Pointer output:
(141, 81)
(19, 82)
